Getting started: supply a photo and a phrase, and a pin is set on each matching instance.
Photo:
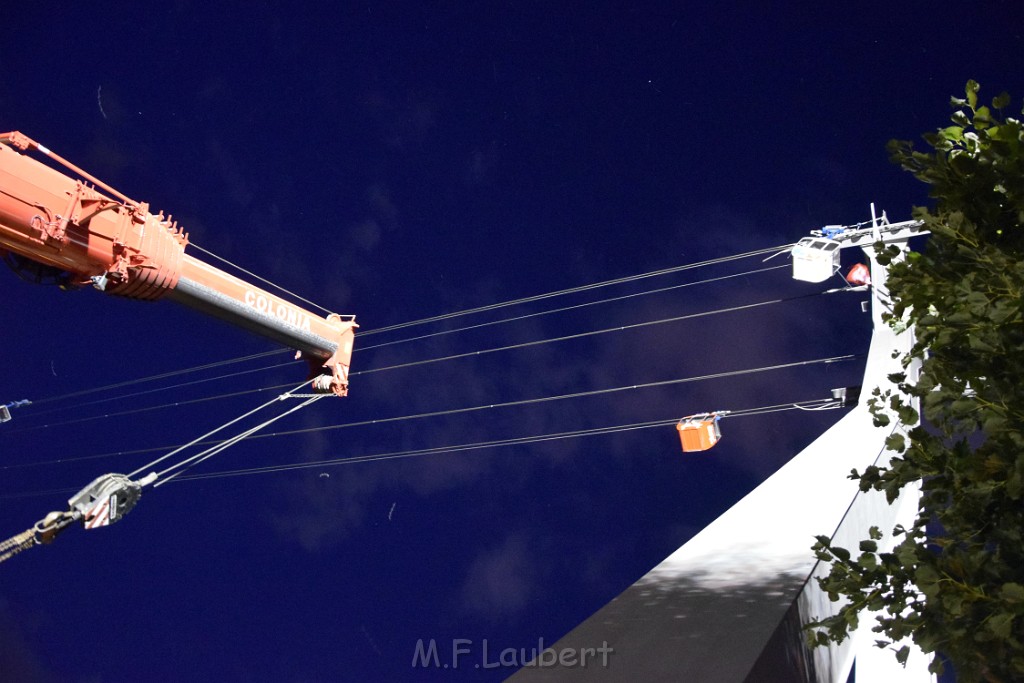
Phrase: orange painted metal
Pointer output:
(116, 244)
(859, 274)
(699, 432)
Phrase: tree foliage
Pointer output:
(955, 580)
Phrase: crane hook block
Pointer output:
(700, 432)
(106, 500)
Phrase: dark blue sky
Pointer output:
(403, 162)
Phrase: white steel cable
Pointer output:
(447, 316)
(153, 378)
(513, 441)
(261, 279)
(747, 412)
(574, 290)
(144, 392)
(580, 335)
(467, 354)
(574, 395)
(177, 450)
(208, 453)
(457, 411)
(563, 309)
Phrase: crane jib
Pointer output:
(65, 224)
(271, 320)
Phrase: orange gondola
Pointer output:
(699, 432)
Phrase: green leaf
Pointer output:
(1012, 592)
(972, 93)
(895, 442)
(960, 119)
(867, 561)
(1000, 624)
(982, 118)
(952, 133)
(955, 580)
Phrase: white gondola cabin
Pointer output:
(815, 259)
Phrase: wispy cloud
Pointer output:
(499, 582)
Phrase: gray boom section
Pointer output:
(210, 301)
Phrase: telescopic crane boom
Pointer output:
(61, 226)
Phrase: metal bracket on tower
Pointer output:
(5, 409)
(816, 258)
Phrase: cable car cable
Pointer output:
(152, 378)
(438, 450)
(457, 356)
(144, 393)
(573, 308)
(453, 411)
(574, 290)
(591, 333)
(365, 348)
(513, 441)
(447, 316)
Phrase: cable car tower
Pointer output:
(729, 606)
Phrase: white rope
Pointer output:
(480, 352)
(204, 436)
(580, 335)
(456, 411)
(563, 309)
(202, 456)
(360, 348)
(439, 450)
(153, 378)
(574, 290)
(261, 279)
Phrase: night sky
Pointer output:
(404, 162)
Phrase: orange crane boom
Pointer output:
(56, 224)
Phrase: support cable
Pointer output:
(479, 445)
(591, 333)
(410, 364)
(227, 424)
(575, 395)
(261, 279)
(109, 497)
(202, 456)
(454, 411)
(15, 544)
(574, 290)
(153, 378)
(265, 354)
(563, 309)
